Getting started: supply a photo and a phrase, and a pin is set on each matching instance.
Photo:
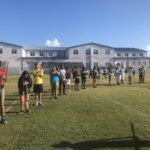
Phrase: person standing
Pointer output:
(83, 77)
(76, 77)
(38, 83)
(62, 84)
(94, 76)
(68, 79)
(3, 83)
(110, 74)
(54, 79)
(122, 74)
(130, 75)
(118, 75)
(143, 71)
(24, 85)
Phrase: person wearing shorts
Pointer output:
(68, 80)
(38, 83)
(54, 78)
(24, 85)
(76, 76)
(3, 82)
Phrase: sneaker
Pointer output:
(21, 112)
(3, 121)
(27, 111)
(36, 104)
(40, 103)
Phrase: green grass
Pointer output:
(79, 120)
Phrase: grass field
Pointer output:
(91, 119)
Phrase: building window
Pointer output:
(126, 54)
(1, 51)
(141, 55)
(88, 52)
(50, 53)
(95, 51)
(41, 53)
(133, 54)
(75, 51)
(88, 65)
(107, 51)
(96, 64)
(32, 54)
(118, 54)
(14, 51)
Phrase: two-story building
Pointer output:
(90, 54)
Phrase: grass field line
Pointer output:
(9, 107)
(126, 106)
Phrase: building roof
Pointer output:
(92, 43)
(9, 44)
(44, 48)
(130, 49)
(143, 57)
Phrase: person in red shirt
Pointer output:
(3, 80)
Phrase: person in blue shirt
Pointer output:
(54, 79)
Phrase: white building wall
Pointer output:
(101, 58)
(14, 60)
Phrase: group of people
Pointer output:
(60, 81)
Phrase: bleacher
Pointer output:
(47, 66)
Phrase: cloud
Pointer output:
(53, 43)
(148, 50)
(148, 47)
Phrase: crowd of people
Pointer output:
(60, 81)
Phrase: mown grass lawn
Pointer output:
(90, 119)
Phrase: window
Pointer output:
(50, 53)
(95, 51)
(107, 51)
(126, 54)
(96, 64)
(133, 54)
(75, 51)
(118, 54)
(41, 53)
(1, 51)
(88, 65)
(141, 55)
(14, 51)
(55, 54)
(88, 52)
(32, 54)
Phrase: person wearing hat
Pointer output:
(3, 82)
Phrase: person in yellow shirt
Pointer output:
(38, 83)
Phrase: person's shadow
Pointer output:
(124, 142)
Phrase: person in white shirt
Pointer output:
(122, 74)
(130, 74)
(62, 83)
(118, 75)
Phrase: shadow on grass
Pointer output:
(12, 112)
(124, 142)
